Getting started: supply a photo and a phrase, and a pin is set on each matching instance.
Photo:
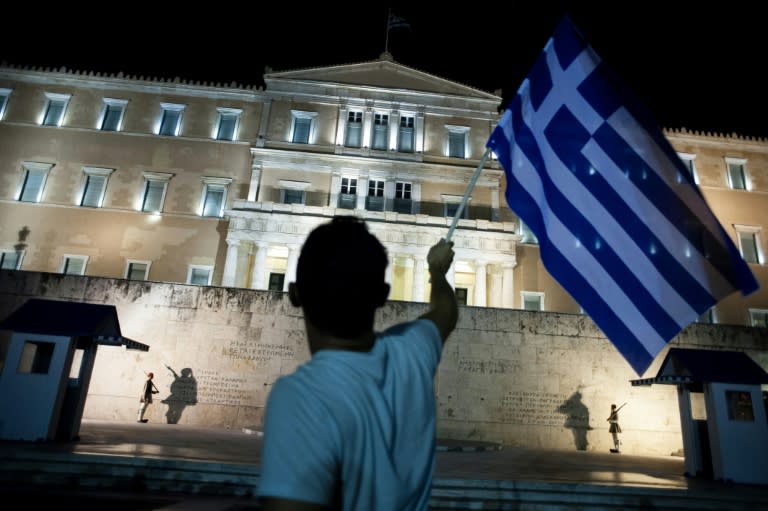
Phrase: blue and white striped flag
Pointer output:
(620, 224)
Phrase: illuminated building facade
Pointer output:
(218, 184)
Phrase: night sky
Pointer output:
(695, 66)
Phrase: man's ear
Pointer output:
(293, 294)
(382, 299)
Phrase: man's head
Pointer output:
(151, 375)
(340, 277)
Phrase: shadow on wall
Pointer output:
(577, 419)
(183, 394)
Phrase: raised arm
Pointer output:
(443, 310)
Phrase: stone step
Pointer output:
(196, 485)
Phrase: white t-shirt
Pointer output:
(369, 417)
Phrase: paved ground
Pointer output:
(460, 465)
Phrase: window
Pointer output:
(199, 275)
(112, 119)
(292, 196)
(375, 199)
(229, 121)
(457, 141)
(354, 134)
(739, 405)
(758, 317)
(451, 205)
(737, 176)
(403, 202)
(73, 264)
(36, 357)
(527, 234)
(155, 185)
(214, 196)
(170, 119)
(461, 295)
(749, 243)
(708, 317)
(532, 301)
(405, 138)
(292, 192)
(276, 281)
(302, 127)
(348, 195)
(54, 109)
(380, 132)
(137, 270)
(94, 185)
(688, 162)
(33, 178)
(4, 95)
(10, 259)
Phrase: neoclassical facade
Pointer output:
(218, 184)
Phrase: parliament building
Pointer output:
(218, 184)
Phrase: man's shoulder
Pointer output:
(418, 326)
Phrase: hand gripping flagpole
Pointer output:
(465, 199)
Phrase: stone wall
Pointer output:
(517, 377)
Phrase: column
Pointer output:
(495, 287)
(290, 271)
(507, 288)
(333, 200)
(253, 188)
(230, 264)
(451, 275)
(390, 268)
(365, 143)
(342, 126)
(418, 279)
(416, 198)
(480, 277)
(495, 204)
(389, 194)
(264, 124)
(257, 276)
(419, 131)
(394, 129)
(362, 192)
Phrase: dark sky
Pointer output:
(694, 65)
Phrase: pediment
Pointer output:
(383, 73)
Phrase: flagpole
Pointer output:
(386, 41)
(467, 193)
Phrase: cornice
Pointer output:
(133, 83)
(701, 137)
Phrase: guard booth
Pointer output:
(47, 369)
(722, 414)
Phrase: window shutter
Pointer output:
(111, 118)
(154, 196)
(214, 197)
(54, 113)
(33, 184)
(94, 186)
(170, 122)
(74, 266)
(301, 130)
(455, 144)
(227, 127)
(10, 260)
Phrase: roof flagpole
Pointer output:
(386, 41)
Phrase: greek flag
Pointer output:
(621, 226)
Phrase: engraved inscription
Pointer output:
(263, 352)
(221, 389)
(484, 366)
(539, 408)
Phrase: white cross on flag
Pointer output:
(621, 226)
